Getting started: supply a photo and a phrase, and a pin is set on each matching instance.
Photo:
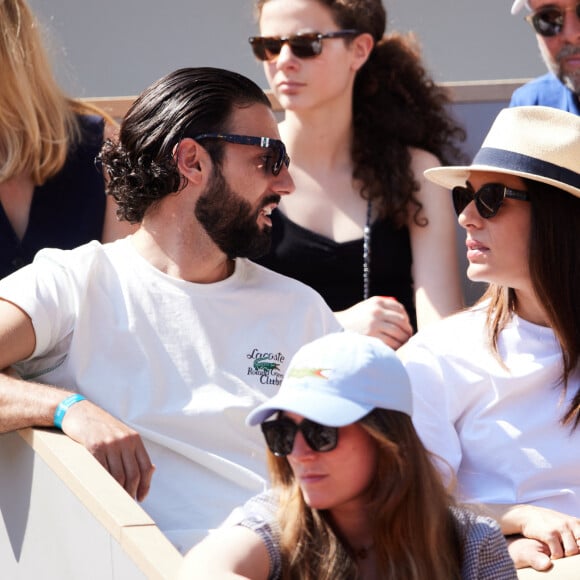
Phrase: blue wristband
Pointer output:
(64, 406)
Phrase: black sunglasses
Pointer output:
(488, 199)
(274, 164)
(304, 45)
(280, 435)
(549, 21)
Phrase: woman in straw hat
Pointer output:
(355, 494)
(497, 387)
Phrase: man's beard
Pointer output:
(231, 222)
(569, 79)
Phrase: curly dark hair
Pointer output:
(396, 105)
(140, 166)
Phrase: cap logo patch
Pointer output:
(302, 373)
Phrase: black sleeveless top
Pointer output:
(335, 270)
(65, 212)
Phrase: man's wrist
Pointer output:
(64, 406)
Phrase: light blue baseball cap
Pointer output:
(338, 379)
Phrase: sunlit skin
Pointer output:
(186, 250)
(317, 97)
(561, 52)
(336, 480)
(245, 229)
(497, 248)
(316, 94)
(256, 185)
(302, 84)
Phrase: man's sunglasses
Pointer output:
(549, 21)
(488, 199)
(280, 435)
(304, 45)
(274, 164)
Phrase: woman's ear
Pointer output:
(190, 158)
(362, 45)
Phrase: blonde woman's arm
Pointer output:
(436, 273)
(228, 553)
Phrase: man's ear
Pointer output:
(192, 160)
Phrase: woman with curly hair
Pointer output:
(354, 492)
(51, 195)
(362, 121)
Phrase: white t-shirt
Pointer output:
(498, 428)
(181, 363)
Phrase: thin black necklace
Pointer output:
(363, 553)
(367, 252)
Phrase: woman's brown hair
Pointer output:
(413, 529)
(554, 263)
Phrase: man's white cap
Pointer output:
(338, 379)
(518, 5)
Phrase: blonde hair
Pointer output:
(38, 122)
(413, 528)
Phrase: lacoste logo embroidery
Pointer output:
(266, 365)
(262, 363)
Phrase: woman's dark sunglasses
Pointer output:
(304, 45)
(488, 199)
(549, 21)
(280, 435)
(278, 158)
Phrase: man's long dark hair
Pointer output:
(140, 166)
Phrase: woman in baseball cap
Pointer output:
(355, 493)
(496, 388)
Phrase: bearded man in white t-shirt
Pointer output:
(151, 350)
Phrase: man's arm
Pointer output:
(25, 404)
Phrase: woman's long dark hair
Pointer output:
(554, 263)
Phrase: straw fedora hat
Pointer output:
(537, 143)
(518, 5)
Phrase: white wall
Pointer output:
(63, 517)
(118, 47)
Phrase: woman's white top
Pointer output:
(498, 427)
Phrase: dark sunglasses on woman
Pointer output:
(280, 435)
(488, 199)
(549, 21)
(305, 45)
